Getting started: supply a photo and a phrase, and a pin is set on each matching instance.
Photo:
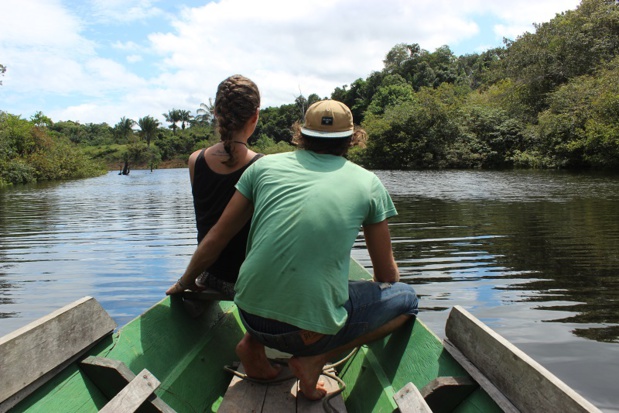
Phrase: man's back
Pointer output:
(308, 209)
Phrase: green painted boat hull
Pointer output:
(187, 355)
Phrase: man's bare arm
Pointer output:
(378, 242)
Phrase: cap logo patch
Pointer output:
(327, 120)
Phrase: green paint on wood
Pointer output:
(187, 356)
(411, 354)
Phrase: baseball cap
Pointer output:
(328, 119)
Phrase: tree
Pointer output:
(184, 117)
(148, 126)
(399, 55)
(477, 70)
(124, 128)
(420, 67)
(393, 94)
(173, 117)
(205, 115)
(572, 44)
(360, 94)
(30, 153)
(492, 138)
(2, 72)
(415, 133)
(301, 104)
(579, 128)
(275, 122)
(41, 121)
(311, 99)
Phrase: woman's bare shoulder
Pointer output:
(194, 156)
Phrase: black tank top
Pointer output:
(211, 193)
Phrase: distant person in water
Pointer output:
(293, 291)
(214, 172)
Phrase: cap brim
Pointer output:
(319, 134)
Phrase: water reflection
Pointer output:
(554, 236)
(121, 239)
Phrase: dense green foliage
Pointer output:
(31, 153)
(548, 99)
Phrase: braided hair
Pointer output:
(236, 102)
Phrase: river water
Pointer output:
(533, 254)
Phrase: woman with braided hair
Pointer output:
(214, 172)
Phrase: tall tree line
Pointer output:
(547, 99)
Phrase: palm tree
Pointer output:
(185, 117)
(205, 113)
(124, 128)
(173, 117)
(148, 126)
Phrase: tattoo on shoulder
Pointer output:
(219, 153)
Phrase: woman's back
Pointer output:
(211, 193)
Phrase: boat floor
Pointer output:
(246, 396)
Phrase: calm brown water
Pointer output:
(535, 255)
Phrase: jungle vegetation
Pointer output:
(548, 99)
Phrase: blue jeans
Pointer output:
(370, 306)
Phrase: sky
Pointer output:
(94, 61)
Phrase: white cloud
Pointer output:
(518, 17)
(286, 47)
(41, 24)
(124, 11)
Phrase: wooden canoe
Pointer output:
(167, 360)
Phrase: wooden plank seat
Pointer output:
(33, 354)
(133, 395)
(247, 396)
(126, 391)
(410, 400)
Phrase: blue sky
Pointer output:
(99, 60)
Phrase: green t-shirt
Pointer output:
(308, 210)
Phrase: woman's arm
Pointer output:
(235, 216)
(378, 242)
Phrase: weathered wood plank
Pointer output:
(34, 353)
(243, 396)
(495, 394)
(410, 400)
(528, 385)
(111, 376)
(246, 396)
(133, 395)
(332, 386)
(279, 397)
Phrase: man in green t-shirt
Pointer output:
(293, 292)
